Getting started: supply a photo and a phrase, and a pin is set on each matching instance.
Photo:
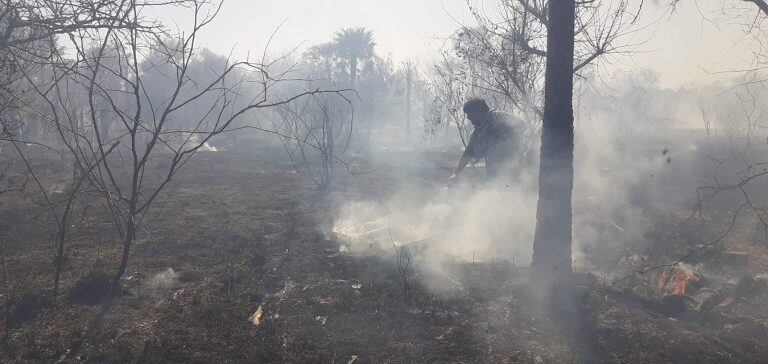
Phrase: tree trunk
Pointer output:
(352, 72)
(760, 4)
(130, 234)
(61, 238)
(554, 218)
(328, 151)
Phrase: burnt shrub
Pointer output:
(92, 289)
(28, 306)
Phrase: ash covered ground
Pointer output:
(246, 261)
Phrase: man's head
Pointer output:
(477, 110)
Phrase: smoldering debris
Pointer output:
(700, 287)
(458, 222)
(163, 281)
(187, 141)
(207, 147)
(255, 319)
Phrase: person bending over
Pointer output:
(496, 137)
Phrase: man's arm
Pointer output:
(465, 158)
(474, 146)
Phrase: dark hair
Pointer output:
(474, 105)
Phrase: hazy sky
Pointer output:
(683, 45)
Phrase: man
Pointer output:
(495, 138)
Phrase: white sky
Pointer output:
(684, 45)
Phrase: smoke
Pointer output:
(640, 153)
(163, 281)
(609, 213)
(457, 221)
(474, 220)
(619, 173)
(478, 220)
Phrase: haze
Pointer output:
(684, 46)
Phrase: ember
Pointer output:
(677, 280)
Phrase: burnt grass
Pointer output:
(244, 231)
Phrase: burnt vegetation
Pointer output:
(162, 202)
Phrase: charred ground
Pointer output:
(258, 277)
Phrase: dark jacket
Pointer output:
(497, 140)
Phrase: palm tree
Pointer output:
(354, 44)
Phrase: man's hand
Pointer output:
(452, 180)
(459, 168)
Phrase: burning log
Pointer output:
(678, 280)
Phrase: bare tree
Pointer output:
(316, 133)
(28, 39)
(524, 58)
(449, 92)
(741, 172)
(504, 53)
(409, 74)
(737, 179)
(403, 259)
(163, 112)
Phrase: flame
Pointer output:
(681, 276)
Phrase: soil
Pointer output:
(257, 276)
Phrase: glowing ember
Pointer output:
(678, 280)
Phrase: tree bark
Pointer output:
(760, 4)
(554, 218)
(130, 234)
(352, 72)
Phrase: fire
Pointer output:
(680, 278)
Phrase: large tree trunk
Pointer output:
(760, 4)
(552, 241)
